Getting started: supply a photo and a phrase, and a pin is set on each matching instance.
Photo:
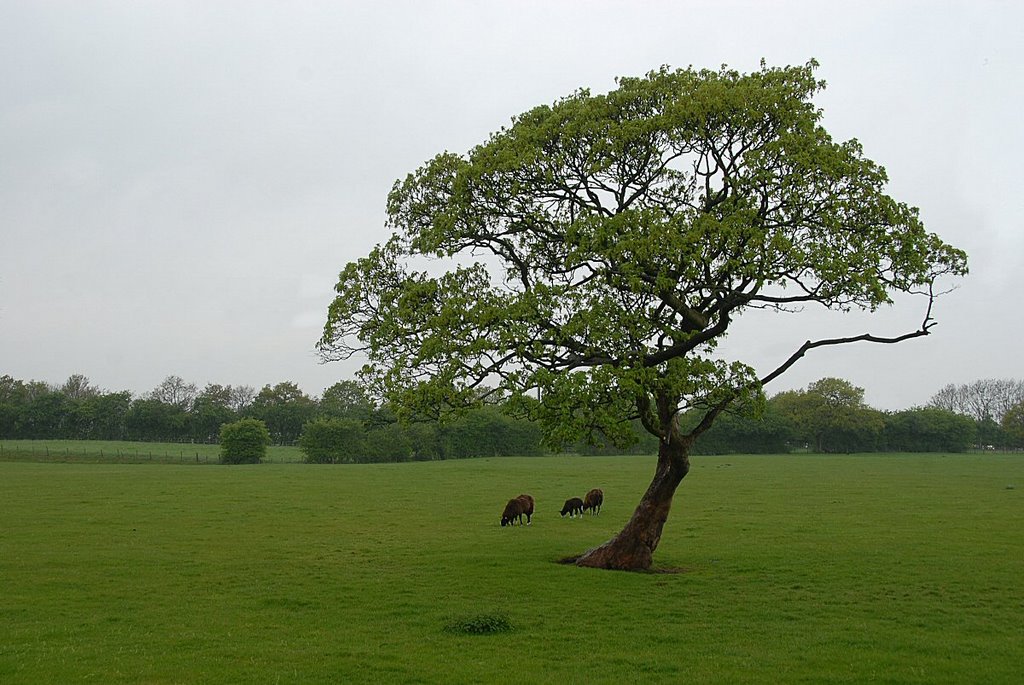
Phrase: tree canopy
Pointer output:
(597, 251)
(599, 248)
(831, 416)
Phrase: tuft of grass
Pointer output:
(479, 624)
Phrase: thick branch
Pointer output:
(720, 406)
(925, 329)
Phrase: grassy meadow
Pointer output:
(126, 452)
(851, 569)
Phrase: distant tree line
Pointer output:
(995, 405)
(830, 416)
(178, 411)
(345, 425)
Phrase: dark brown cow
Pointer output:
(593, 501)
(572, 507)
(516, 509)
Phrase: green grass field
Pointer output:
(897, 569)
(119, 451)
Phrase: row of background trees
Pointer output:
(178, 411)
(344, 424)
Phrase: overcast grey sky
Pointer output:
(180, 182)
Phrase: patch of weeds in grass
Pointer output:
(479, 624)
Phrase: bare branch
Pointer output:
(926, 325)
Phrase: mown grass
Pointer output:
(127, 452)
(787, 569)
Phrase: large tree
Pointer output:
(210, 410)
(347, 400)
(597, 250)
(284, 408)
(831, 416)
(174, 391)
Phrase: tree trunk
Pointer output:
(633, 548)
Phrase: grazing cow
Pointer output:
(593, 501)
(515, 509)
(572, 507)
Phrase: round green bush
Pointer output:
(243, 442)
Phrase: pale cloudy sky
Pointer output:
(180, 181)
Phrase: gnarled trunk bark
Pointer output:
(633, 548)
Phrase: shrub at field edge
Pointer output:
(244, 442)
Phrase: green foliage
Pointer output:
(426, 441)
(244, 442)
(333, 441)
(1013, 423)
(388, 443)
(494, 428)
(46, 413)
(284, 408)
(642, 442)
(929, 430)
(481, 431)
(154, 419)
(830, 416)
(347, 400)
(992, 435)
(598, 249)
(765, 433)
(108, 413)
(489, 432)
(206, 418)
